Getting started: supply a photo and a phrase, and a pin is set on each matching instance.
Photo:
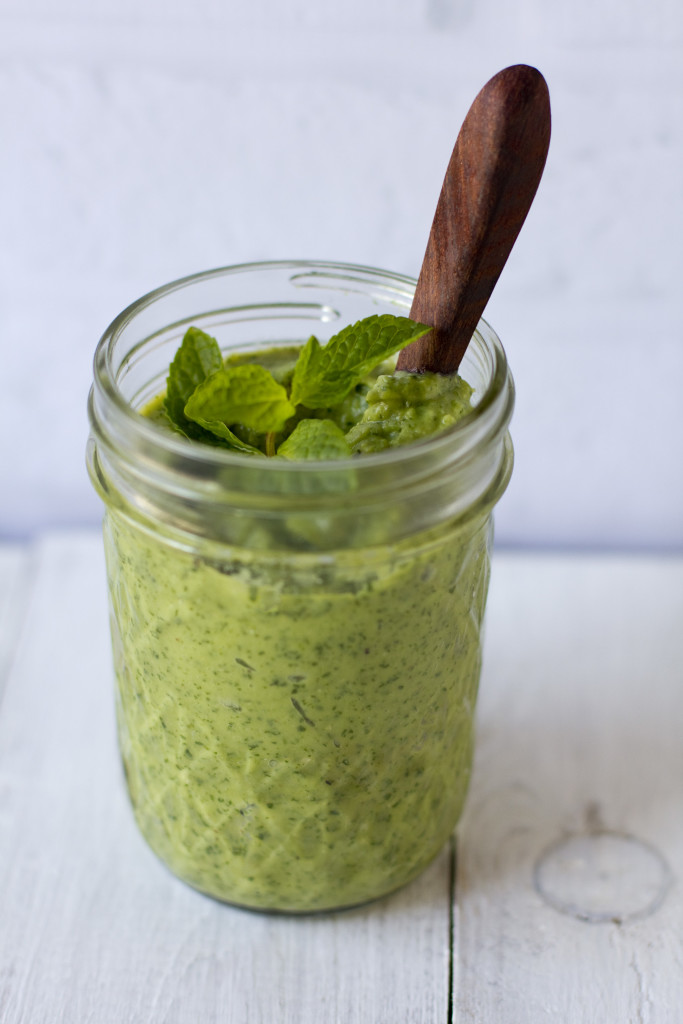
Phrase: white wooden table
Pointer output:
(561, 901)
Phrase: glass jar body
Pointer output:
(297, 675)
(297, 734)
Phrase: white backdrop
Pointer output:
(141, 140)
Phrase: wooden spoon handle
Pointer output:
(491, 180)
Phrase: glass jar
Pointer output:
(297, 645)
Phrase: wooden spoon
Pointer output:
(490, 183)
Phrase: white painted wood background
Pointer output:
(580, 742)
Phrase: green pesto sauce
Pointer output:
(297, 738)
(296, 729)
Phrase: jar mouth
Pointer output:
(492, 411)
(195, 490)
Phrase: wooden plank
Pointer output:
(94, 931)
(15, 579)
(567, 905)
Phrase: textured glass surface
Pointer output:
(297, 736)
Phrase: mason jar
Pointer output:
(297, 645)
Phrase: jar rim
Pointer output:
(490, 415)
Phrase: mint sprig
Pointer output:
(219, 404)
(247, 395)
(315, 439)
(198, 356)
(324, 375)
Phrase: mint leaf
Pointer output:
(214, 429)
(197, 358)
(307, 367)
(248, 395)
(324, 375)
(315, 439)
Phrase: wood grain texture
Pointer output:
(580, 742)
(93, 930)
(490, 183)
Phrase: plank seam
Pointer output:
(451, 927)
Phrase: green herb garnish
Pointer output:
(324, 375)
(315, 439)
(247, 394)
(198, 356)
(242, 407)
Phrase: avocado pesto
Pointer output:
(297, 674)
(297, 736)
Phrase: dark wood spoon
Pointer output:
(490, 183)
